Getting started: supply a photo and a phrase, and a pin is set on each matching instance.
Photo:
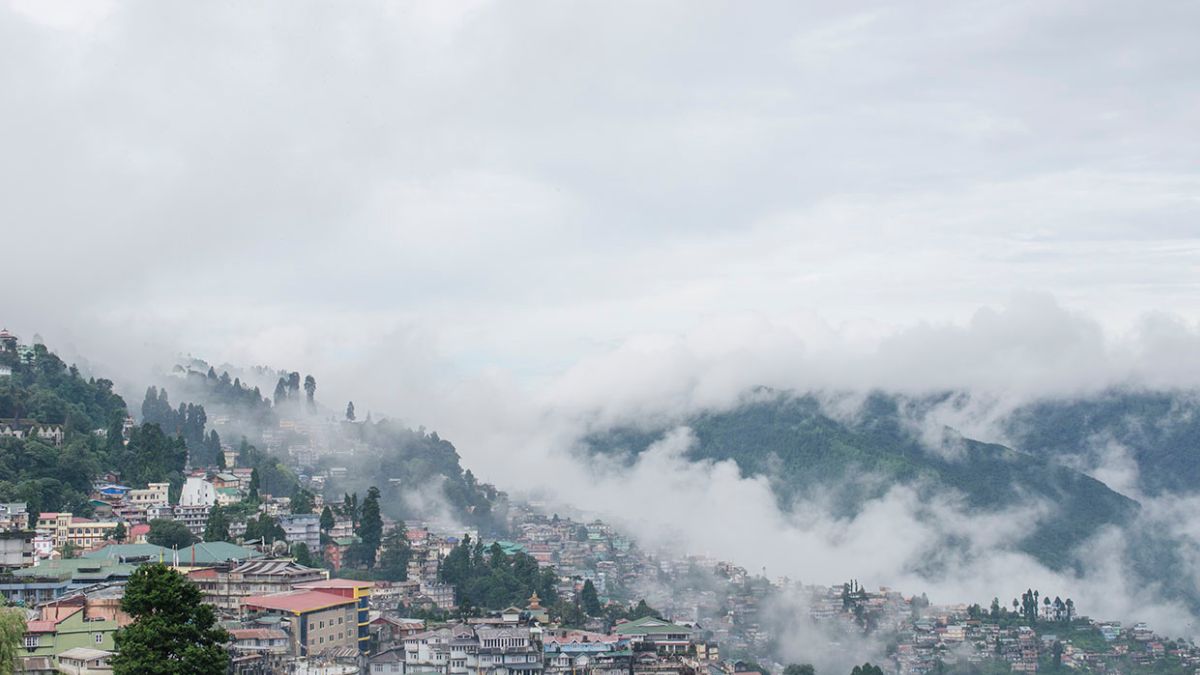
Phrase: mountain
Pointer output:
(1158, 430)
(805, 450)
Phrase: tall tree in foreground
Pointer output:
(172, 632)
(12, 630)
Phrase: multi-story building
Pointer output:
(663, 636)
(197, 491)
(155, 494)
(509, 650)
(65, 528)
(16, 549)
(302, 529)
(14, 516)
(194, 516)
(316, 621)
(360, 592)
(224, 586)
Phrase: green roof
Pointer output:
(78, 569)
(127, 551)
(215, 551)
(649, 625)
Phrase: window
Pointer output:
(322, 624)
(98, 637)
(340, 619)
(31, 641)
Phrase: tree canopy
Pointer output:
(173, 632)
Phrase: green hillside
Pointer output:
(806, 451)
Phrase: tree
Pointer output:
(310, 388)
(799, 669)
(867, 669)
(350, 411)
(280, 392)
(393, 562)
(70, 551)
(327, 521)
(302, 555)
(265, 528)
(172, 631)
(303, 502)
(221, 466)
(254, 482)
(12, 630)
(217, 528)
(370, 526)
(169, 534)
(589, 600)
(293, 385)
(118, 533)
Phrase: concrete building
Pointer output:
(197, 491)
(16, 549)
(316, 621)
(302, 529)
(153, 495)
(66, 528)
(224, 586)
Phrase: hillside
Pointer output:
(805, 450)
(1159, 430)
(54, 473)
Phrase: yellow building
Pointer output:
(66, 528)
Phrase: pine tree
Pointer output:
(350, 411)
(589, 600)
(327, 521)
(370, 526)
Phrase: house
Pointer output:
(68, 627)
(663, 636)
(335, 551)
(194, 516)
(85, 661)
(213, 552)
(23, 428)
(257, 650)
(388, 661)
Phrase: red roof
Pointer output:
(140, 528)
(297, 602)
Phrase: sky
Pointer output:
(508, 220)
(519, 187)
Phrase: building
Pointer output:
(60, 629)
(302, 529)
(16, 549)
(26, 428)
(360, 592)
(194, 516)
(509, 650)
(663, 636)
(224, 586)
(65, 528)
(14, 516)
(197, 491)
(155, 494)
(315, 620)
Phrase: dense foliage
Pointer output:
(1160, 431)
(172, 632)
(186, 422)
(493, 580)
(803, 449)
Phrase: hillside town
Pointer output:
(301, 583)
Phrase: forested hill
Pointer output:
(1158, 430)
(806, 451)
(50, 475)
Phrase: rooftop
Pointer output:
(297, 602)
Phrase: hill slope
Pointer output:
(803, 449)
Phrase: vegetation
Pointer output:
(186, 422)
(172, 631)
(12, 630)
(495, 580)
(169, 534)
(804, 450)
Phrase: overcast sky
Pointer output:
(481, 187)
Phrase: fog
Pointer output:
(516, 223)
